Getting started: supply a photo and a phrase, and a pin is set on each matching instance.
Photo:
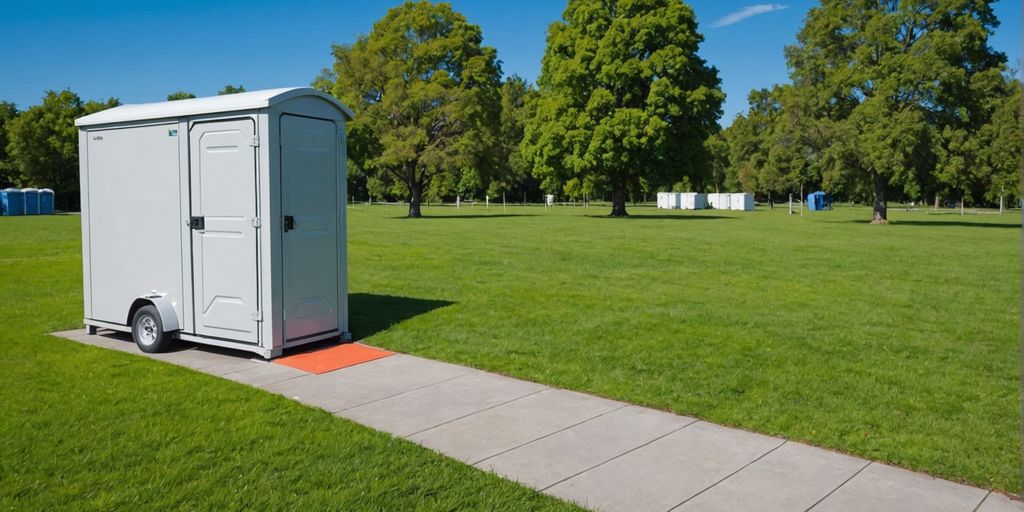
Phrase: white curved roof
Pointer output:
(208, 105)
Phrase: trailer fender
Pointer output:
(163, 306)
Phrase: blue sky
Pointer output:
(141, 51)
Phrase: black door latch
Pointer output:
(197, 223)
(289, 223)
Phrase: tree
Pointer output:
(183, 95)
(899, 85)
(230, 89)
(44, 143)
(426, 96)
(625, 101)
(8, 113)
(511, 171)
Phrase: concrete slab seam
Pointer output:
(623, 406)
(627, 452)
(840, 486)
(476, 412)
(425, 386)
(730, 475)
(982, 502)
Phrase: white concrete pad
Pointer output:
(885, 488)
(996, 502)
(667, 472)
(265, 374)
(428, 407)
(367, 382)
(494, 431)
(554, 458)
(807, 475)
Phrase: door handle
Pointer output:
(197, 223)
(289, 223)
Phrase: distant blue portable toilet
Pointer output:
(31, 198)
(12, 202)
(817, 201)
(46, 202)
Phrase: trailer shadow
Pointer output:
(370, 314)
(945, 223)
(662, 217)
(472, 216)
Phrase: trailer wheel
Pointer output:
(148, 330)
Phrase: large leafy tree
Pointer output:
(511, 171)
(426, 93)
(43, 143)
(8, 112)
(898, 86)
(181, 95)
(625, 101)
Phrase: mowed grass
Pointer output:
(89, 429)
(897, 343)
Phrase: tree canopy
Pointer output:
(426, 93)
(624, 98)
(183, 95)
(43, 143)
(228, 89)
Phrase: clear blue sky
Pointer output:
(139, 51)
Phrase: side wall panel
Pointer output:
(133, 218)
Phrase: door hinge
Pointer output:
(255, 222)
(257, 316)
(254, 141)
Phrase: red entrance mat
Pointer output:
(333, 358)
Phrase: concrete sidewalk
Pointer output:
(602, 454)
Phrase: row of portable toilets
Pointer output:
(26, 201)
(695, 201)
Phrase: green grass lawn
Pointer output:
(897, 343)
(86, 428)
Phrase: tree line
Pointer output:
(887, 100)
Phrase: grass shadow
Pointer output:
(952, 223)
(663, 217)
(370, 314)
(473, 216)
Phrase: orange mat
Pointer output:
(333, 358)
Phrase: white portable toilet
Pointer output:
(692, 201)
(662, 200)
(742, 202)
(674, 200)
(217, 220)
(720, 201)
(549, 200)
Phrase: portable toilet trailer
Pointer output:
(12, 202)
(31, 198)
(673, 200)
(217, 220)
(46, 202)
(742, 202)
(720, 201)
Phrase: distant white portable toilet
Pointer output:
(720, 201)
(217, 220)
(663, 200)
(674, 200)
(742, 202)
(549, 200)
(692, 201)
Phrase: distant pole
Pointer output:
(502, 201)
(487, 202)
(1000, 205)
(458, 202)
(791, 204)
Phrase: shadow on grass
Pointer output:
(662, 217)
(370, 314)
(955, 223)
(472, 216)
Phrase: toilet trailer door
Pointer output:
(222, 157)
(310, 240)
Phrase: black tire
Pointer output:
(148, 330)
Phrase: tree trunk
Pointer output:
(415, 197)
(619, 201)
(880, 214)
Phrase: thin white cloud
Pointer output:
(746, 12)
